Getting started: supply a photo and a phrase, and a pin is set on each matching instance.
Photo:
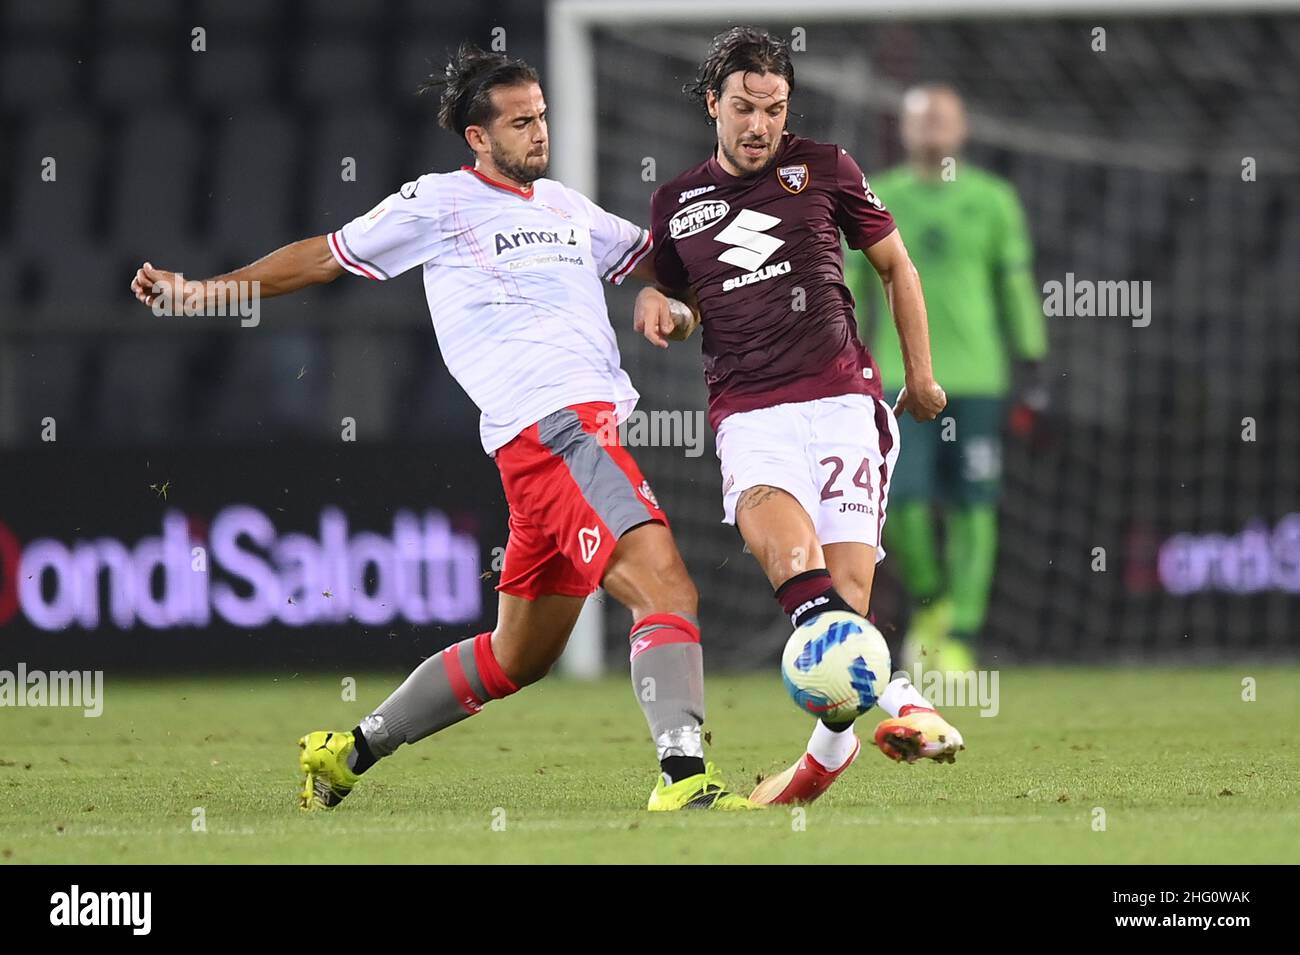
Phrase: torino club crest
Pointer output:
(793, 178)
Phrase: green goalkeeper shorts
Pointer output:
(954, 460)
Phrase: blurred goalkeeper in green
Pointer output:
(967, 236)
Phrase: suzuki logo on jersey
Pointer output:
(588, 543)
(750, 246)
(508, 241)
(762, 275)
(697, 217)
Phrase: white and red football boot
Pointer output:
(801, 783)
(918, 732)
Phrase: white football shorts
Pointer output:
(833, 455)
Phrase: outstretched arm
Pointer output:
(921, 394)
(288, 269)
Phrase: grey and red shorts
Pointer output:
(573, 491)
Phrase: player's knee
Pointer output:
(649, 576)
(665, 587)
(675, 591)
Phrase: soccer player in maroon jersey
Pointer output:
(750, 241)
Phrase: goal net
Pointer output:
(1157, 143)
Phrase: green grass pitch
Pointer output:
(1183, 769)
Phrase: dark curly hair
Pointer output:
(466, 85)
(743, 49)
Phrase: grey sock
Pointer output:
(441, 691)
(668, 679)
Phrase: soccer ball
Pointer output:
(835, 666)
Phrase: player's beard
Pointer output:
(736, 162)
(518, 170)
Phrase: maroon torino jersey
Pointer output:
(763, 255)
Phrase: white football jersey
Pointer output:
(513, 280)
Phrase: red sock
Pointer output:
(494, 678)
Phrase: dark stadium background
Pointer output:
(204, 161)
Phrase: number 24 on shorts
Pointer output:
(861, 477)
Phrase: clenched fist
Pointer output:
(660, 318)
(924, 399)
(152, 285)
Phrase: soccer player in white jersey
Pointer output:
(513, 264)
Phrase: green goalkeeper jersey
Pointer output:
(969, 242)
